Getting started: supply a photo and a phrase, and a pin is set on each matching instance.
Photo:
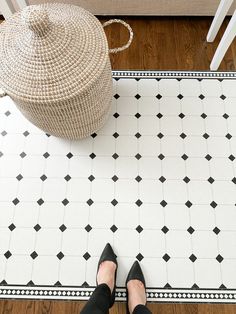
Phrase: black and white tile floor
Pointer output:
(158, 182)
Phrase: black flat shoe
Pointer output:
(109, 255)
(134, 273)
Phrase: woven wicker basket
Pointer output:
(54, 64)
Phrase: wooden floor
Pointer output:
(159, 44)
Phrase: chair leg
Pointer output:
(225, 42)
(6, 9)
(218, 19)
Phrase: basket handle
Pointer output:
(131, 35)
(2, 93)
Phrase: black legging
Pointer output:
(99, 302)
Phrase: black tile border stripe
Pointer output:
(174, 74)
(153, 295)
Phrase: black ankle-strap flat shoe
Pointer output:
(109, 255)
(134, 273)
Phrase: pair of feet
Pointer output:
(136, 289)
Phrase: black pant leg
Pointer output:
(99, 301)
(141, 309)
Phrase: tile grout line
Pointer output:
(212, 191)
(187, 190)
(39, 211)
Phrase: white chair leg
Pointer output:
(224, 44)
(218, 19)
(6, 9)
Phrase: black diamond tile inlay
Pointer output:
(192, 258)
(160, 135)
(223, 97)
(195, 286)
(92, 156)
(62, 228)
(159, 115)
(4, 133)
(188, 204)
(7, 113)
(139, 257)
(225, 115)
(8, 254)
(43, 177)
(138, 156)
(113, 228)
(69, 155)
(184, 157)
(231, 157)
(182, 135)
(213, 204)
(206, 136)
(46, 155)
(138, 203)
(114, 202)
(1, 154)
(48, 135)
(180, 96)
(163, 203)
(203, 115)
(158, 96)
(65, 202)
(37, 227)
(11, 227)
(208, 157)
(22, 155)
(137, 96)
(166, 257)
(57, 284)
(138, 179)
(137, 115)
(234, 180)
(161, 156)
(216, 230)
(116, 96)
(94, 135)
(201, 97)
(228, 136)
(30, 283)
(115, 135)
(211, 180)
(26, 133)
(91, 178)
(115, 178)
(219, 258)
(115, 156)
(138, 135)
(190, 230)
(90, 202)
(16, 201)
(60, 255)
(34, 255)
(116, 115)
(181, 115)
(19, 177)
(162, 179)
(86, 256)
(165, 229)
(88, 228)
(139, 229)
(40, 201)
(186, 179)
(67, 177)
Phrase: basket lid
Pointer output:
(51, 52)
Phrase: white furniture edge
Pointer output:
(218, 19)
(7, 9)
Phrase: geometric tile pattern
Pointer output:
(158, 182)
